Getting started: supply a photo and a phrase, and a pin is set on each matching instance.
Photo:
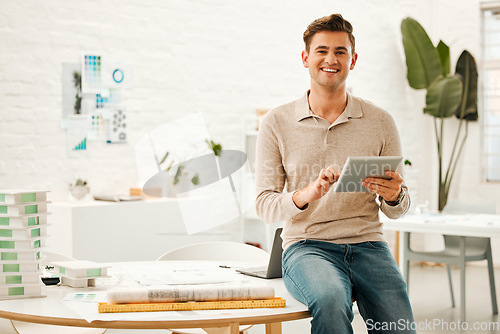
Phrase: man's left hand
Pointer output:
(388, 189)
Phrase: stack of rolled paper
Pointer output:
(187, 293)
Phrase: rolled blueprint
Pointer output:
(187, 293)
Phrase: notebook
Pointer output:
(273, 270)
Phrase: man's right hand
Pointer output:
(327, 177)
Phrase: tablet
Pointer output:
(356, 169)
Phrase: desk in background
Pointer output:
(466, 225)
(461, 225)
(124, 231)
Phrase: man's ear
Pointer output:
(305, 59)
(353, 61)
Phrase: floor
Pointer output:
(430, 298)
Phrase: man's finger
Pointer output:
(329, 176)
(335, 173)
(325, 183)
(395, 175)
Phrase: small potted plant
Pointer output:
(49, 277)
(79, 189)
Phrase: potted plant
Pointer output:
(447, 94)
(79, 189)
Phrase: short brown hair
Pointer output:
(334, 22)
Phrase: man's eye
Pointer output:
(340, 52)
(321, 51)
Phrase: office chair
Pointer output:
(215, 251)
(476, 249)
(32, 328)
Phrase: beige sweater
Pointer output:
(293, 145)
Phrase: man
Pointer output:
(334, 250)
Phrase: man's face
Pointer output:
(329, 59)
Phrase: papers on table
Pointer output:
(168, 272)
(181, 273)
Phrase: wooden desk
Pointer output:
(53, 311)
(466, 225)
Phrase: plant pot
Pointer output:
(79, 192)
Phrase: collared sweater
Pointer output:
(293, 145)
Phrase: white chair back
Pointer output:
(456, 206)
(217, 251)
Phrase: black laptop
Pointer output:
(273, 270)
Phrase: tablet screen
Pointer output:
(356, 169)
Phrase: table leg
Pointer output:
(462, 278)
(273, 328)
(403, 244)
(233, 328)
(396, 248)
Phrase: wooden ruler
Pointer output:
(191, 306)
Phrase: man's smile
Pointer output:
(329, 70)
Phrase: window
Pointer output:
(490, 80)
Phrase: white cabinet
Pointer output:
(124, 231)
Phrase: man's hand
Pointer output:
(388, 189)
(327, 177)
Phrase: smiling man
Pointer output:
(334, 250)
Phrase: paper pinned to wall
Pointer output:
(76, 135)
(91, 73)
(117, 74)
(71, 94)
(94, 88)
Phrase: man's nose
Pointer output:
(331, 59)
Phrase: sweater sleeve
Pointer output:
(272, 204)
(392, 147)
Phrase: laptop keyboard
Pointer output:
(257, 270)
(260, 272)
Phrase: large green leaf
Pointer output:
(422, 58)
(467, 70)
(443, 97)
(444, 55)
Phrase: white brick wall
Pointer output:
(223, 58)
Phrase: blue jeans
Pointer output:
(325, 276)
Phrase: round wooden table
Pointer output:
(53, 310)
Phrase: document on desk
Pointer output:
(172, 273)
(89, 311)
